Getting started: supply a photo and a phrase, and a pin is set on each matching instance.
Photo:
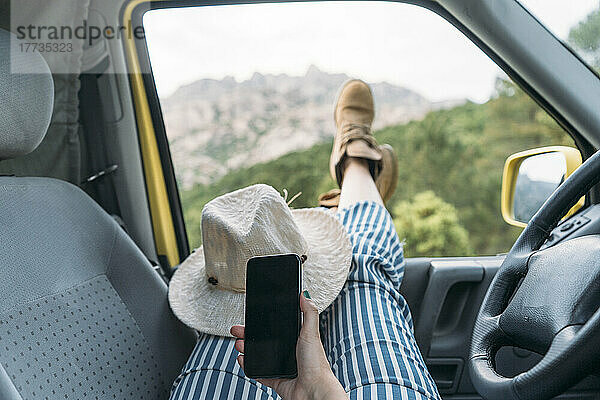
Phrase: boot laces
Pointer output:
(352, 132)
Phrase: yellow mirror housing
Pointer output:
(511, 171)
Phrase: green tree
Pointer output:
(459, 153)
(585, 37)
(429, 226)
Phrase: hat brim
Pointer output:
(208, 309)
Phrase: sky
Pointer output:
(547, 167)
(377, 41)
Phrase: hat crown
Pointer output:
(250, 222)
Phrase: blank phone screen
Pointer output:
(272, 316)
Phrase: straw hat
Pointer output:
(207, 292)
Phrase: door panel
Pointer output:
(444, 296)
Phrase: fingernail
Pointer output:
(306, 294)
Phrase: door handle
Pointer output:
(443, 274)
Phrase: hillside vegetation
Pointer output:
(217, 126)
(448, 198)
(450, 165)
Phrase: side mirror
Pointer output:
(531, 176)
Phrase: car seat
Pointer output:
(83, 315)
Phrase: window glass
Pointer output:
(577, 23)
(247, 93)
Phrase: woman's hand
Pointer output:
(315, 379)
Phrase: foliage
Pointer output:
(458, 153)
(428, 225)
(585, 37)
(450, 167)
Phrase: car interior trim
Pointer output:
(160, 210)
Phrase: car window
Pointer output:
(576, 23)
(247, 94)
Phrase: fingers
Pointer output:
(272, 383)
(238, 331)
(239, 345)
(310, 326)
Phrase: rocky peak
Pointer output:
(314, 72)
(214, 126)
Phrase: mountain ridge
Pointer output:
(215, 126)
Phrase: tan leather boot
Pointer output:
(354, 113)
(330, 199)
(386, 181)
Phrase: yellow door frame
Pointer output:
(160, 209)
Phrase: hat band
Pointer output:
(215, 282)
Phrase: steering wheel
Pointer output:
(546, 301)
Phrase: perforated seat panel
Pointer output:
(82, 313)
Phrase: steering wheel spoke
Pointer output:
(570, 358)
(489, 331)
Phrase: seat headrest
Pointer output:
(26, 98)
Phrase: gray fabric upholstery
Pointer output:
(82, 312)
(7, 388)
(27, 98)
(81, 309)
(118, 365)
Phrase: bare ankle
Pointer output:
(352, 162)
(358, 184)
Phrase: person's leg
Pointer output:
(358, 185)
(212, 372)
(368, 332)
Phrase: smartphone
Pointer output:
(273, 286)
